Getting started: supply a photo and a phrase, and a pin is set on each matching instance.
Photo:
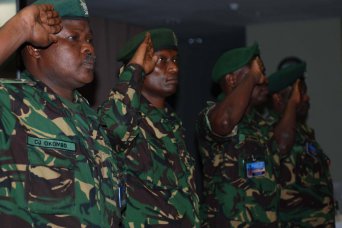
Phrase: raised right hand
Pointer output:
(144, 55)
(296, 95)
(257, 71)
(42, 23)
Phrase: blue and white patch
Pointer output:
(255, 169)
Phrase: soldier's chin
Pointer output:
(85, 80)
(171, 89)
(261, 100)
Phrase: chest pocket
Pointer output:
(167, 157)
(256, 165)
(253, 160)
(50, 176)
(166, 166)
(312, 166)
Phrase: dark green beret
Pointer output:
(162, 38)
(285, 77)
(233, 60)
(68, 9)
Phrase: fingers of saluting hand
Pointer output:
(50, 18)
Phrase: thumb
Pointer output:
(53, 38)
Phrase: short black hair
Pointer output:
(289, 61)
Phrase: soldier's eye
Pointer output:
(161, 60)
(72, 38)
(89, 40)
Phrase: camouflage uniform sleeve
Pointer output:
(210, 146)
(203, 127)
(7, 120)
(119, 114)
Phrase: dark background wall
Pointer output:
(196, 87)
(196, 63)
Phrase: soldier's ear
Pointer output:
(276, 98)
(32, 51)
(230, 80)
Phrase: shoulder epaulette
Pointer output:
(16, 81)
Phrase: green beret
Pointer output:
(162, 38)
(233, 60)
(68, 9)
(285, 77)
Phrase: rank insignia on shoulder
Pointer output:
(16, 81)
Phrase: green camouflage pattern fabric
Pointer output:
(56, 163)
(158, 168)
(307, 189)
(232, 196)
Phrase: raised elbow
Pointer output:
(222, 127)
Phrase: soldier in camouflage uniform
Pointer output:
(307, 189)
(57, 167)
(36, 24)
(149, 136)
(239, 162)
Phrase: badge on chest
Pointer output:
(255, 169)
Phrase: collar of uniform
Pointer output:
(158, 114)
(250, 116)
(303, 127)
(272, 114)
(43, 89)
(78, 98)
(254, 115)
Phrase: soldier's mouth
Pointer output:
(173, 80)
(89, 61)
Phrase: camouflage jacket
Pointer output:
(159, 171)
(239, 173)
(56, 164)
(307, 189)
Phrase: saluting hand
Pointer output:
(43, 23)
(296, 95)
(257, 71)
(144, 55)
